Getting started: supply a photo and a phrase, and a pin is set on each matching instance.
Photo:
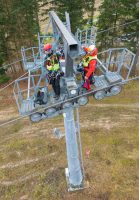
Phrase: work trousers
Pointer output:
(56, 85)
(89, 81)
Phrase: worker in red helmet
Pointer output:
(53, 68)
(48, 50)
(47, 47)
(89, 63)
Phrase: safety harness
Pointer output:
(87, 59)
(53, 63)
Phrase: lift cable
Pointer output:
(105, 30)
(127, 35)
(12, 82)
(8, 65)
(16, 79)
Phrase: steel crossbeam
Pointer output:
(71, 47)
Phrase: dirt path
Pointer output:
(25, 178)
(26, 162)
(129, 105)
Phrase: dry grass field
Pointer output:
(32, 160)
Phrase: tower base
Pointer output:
(72, 188)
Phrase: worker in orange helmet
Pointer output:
(89, 62)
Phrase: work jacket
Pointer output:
(89, 64)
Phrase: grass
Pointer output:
(129, 94)
(32, 161)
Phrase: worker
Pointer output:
(53, 67)
(60, 53)
(89, 62)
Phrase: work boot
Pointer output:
(57, 97)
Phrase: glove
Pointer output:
(61, 73)
(86, 78)
(80, 67)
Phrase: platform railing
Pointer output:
(118, 60)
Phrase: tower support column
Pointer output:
(74, 172)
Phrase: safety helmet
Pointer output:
(91, 48)
(47, 47)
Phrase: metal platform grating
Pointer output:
(113, 77)
(39, 62)
(100, 82)
(29, 65)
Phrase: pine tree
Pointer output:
(89, 8)
(108, 19)
(3, 52)
(19, 25)
(27, 24)
(75, 10)
(111, 16)
(44, 7)
(3, 49)
(131, 31)
(79, 11)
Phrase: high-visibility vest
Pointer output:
(49, 67)
(87, 59)
(54, 63)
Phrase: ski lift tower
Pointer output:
(74, 172)
(114, 71)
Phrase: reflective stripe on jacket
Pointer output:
(87, 59)
(54, 63)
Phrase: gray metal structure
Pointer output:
(87, 36)
(114, 67)
(74, 172)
